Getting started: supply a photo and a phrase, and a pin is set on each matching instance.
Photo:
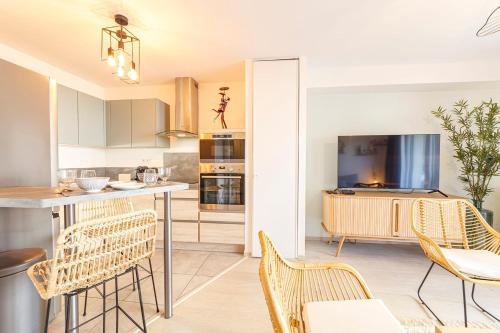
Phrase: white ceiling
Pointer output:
(209, 39)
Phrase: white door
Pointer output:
(275, 153)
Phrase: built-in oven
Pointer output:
(222, 147)
(222, 186)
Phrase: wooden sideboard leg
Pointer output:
(330, 241)
(339, 247)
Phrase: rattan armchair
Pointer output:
(453, 224)
(289, 285)
(117, 245)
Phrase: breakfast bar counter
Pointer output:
(46, 197)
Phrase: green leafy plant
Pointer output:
(475, 136)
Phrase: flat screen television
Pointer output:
(389, 161)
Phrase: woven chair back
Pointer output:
(289, 285)
(92, 210)
(453, 223)
(116, 244)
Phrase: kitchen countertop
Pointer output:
(44, 197)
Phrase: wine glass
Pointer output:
(150, 176)
(87, 173)
(164, 173)
(66, 177)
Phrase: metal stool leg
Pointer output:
(479, 306)
(116, 301)
(47, 314)
(421, 300)
(465, 302)
(66, 313)
(104, 307)
(153, 281)
(140, 299)
(85, 302)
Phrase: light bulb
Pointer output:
(132, 73)
(121, 58)
(111, 57)
(120, 71)
(120, 53)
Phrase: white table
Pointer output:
(356, 316)
(46, 197)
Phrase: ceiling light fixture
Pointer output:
(492, 24)
(122, 51)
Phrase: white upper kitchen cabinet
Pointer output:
(275, 170)
(91, 121)
(119, 123)
(67, 115)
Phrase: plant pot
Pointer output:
(485, 213)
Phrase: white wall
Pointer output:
(443, 72)
(60, 76)
(209, 99)
(386, 110)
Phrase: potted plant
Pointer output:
(475, 136)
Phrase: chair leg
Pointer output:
(420, 297)
(104, 307)
(140, 299)
(153, 281)
(66, 313)
(479, 306)
(133, 280)
(85, 302)
(116, 301)
(465, 302)
(47, 314)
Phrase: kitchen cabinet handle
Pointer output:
(224, 177)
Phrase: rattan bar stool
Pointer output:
(101, 209)
(116, 246)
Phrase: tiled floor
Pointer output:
(234, 302)
(191, 269)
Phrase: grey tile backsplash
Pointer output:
(186, 166)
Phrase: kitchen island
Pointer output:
(46, 197)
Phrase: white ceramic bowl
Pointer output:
(93, 184)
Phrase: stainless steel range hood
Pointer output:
(185, 123)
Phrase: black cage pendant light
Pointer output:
(121, 49)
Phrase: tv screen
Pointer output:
(389, 161)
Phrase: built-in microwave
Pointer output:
(222, 147)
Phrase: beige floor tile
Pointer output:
(217, 262)
(180, 281)
(187, 262)
(194, 283)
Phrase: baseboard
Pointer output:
(365, 240)
(212, 247)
